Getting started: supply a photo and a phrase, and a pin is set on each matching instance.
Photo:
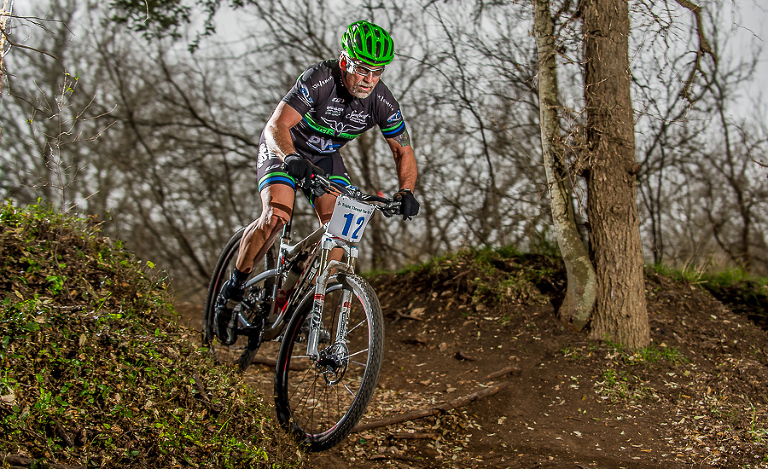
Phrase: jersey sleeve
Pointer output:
(303, 95)
(389, 117)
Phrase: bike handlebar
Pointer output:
(321, 184)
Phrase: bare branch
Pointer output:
(704, 47)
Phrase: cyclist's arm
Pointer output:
(405, 160)
(278, 129)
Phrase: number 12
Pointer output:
(348, 225)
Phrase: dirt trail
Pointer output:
(696, 399)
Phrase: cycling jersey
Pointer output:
(331, 117)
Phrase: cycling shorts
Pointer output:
(269, 169)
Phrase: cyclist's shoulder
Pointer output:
(383, 98)
(320, 74)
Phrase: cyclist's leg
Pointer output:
(277, 192)
(324, 207)
(277, 205)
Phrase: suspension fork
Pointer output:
(316, 316)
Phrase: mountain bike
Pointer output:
(327, 319)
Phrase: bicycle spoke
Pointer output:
(359, 324)
(349, 391)
(325, 401)
(357, 353)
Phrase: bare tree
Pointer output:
(581, 278)
(53, 120)
(6, 10)
(682, 154)
(620, 310)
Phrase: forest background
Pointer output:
(153, 126)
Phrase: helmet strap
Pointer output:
(344, 62)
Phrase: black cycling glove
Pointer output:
(298, 168)
(409, 207)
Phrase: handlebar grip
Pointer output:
(375, 198)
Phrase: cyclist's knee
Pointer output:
(277, 221)
(273, 220)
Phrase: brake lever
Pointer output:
(318, 190)
(319, 186)
(391, 209)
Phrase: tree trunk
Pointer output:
(581, 278)
(5, 13)
(620, 310)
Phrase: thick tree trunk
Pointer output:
(581, 288)
(620, 311)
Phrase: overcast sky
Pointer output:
(749, 20)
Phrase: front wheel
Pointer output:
(252, 310)
(321, 401)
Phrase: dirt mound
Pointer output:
(696, 397)
(483, 375)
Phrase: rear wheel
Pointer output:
(321, 401)
(253, 310)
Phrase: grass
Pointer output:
(95, 370)
(492, 277)
(742, 292)
(618, 385)
(617, 382)
(650, 355)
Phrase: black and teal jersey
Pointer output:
(331, 116)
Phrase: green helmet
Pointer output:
(367, 42)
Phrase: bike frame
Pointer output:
(318, 267)
(318, 240)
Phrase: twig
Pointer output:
(435, 410)
(378, 457)
(21, 461)
(510, 370)
(413, 436)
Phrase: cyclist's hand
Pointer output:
(409, 207)
(298, 168)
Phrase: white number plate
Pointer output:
(349, 219)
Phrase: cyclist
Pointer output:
(330, 104)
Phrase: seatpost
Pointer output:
(286, 236)
(285, 239)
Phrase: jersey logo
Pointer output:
(263, 155)
(339, 127)
(395, 117)
(387, 103)
(322, 145)
(357, 117)
(321, 83)
(334, 111)
(304, 93)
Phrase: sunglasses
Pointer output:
(363, 71)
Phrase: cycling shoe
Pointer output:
(225, 318)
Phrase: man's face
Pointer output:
(361, 78)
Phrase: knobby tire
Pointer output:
(310, 404)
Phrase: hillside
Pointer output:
(99, 372)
